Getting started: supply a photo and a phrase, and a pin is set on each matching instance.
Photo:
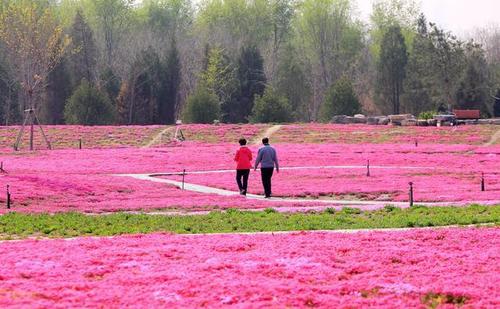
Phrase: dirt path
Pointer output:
(493, 139)
(157, 139)
(268, 133)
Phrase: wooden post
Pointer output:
(80, 143)
(8, 197)
(32, 130)
(183, 175)
(368, 168)
(482, 183)
(411, 194)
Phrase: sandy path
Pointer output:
(268, 133)
(157, 139)
(493, 139)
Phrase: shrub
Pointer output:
(89, 106)
(340, 100)
(330, 210)
(202, 106)
(426, 115)
(271, 107)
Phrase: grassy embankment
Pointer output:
(18, 226)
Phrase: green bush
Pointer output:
(426, 115)
(202, 106)
(271, 107)
(340, 100)
(89, 106)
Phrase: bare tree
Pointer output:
(35, 43)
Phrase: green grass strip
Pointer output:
(19, 226)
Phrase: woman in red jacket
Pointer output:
(243, 159)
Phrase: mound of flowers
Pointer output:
(418, 268)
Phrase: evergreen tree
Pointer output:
(140, 104)
(447, 65)
(83, 60)
(9, 91)
(170, 80)
(392, 67)
(472, 92)
(271, 107)
(110, 84)
(88, 106)
(496, 106)
(292, 83)
(252, 82)
(340, 100)
(57, 92)
(219, 77)
(419, 73)
(202, 106)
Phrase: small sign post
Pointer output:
(411, 194)
(8, 197)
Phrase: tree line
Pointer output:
(155, 61)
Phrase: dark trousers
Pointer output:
(266, 174)
(242, 179)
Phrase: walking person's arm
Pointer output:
(257, 161)
(276, 163)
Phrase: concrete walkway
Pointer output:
(328, 203)
(327, 167)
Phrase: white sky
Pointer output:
(458, 16)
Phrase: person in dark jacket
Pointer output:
(268, 160)
(243, 159)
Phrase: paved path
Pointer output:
(327, 167)
(328, 203)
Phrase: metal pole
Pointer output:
(411, 194)
(183, 175)
(482, 183)
(368, 168)
(8, 197)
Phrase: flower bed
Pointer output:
(358, 134)
(419, 268)
(223, 133)
(64, 137)
(74, 180)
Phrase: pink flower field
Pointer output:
(85, 180)
(418, 268)
(359, 134)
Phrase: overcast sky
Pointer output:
(458, 16)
